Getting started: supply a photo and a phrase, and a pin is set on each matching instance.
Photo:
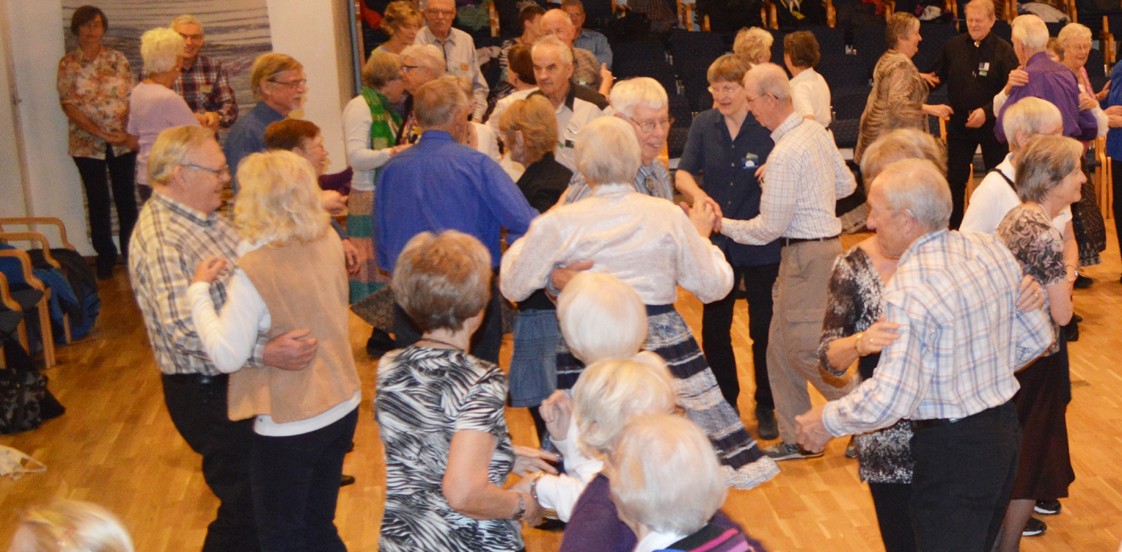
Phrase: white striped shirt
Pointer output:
(961, 336)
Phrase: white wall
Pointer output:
(308, 30)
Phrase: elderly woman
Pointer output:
(304, 420)
(899, 94)
(643, 103)
(370, 129)
(70, 525)
(1049, 179)
(154, 106)
(93, 88)
(667, 486)
(651, 245)
(809, 91)
(852, 332)
(419, 65)
(753, 45)
(440, 411)
(400, 22)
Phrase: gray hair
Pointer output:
(1030, 116)
(611, 391)
(667, 476)
(439, 101)
(1044, 163)
(601, 317)
(1073, 30)
(917, 186)
(1030, 31)
(769, 78)
(161, 48)
(645, 91)
(607, 151)
(900, 144)
(985, 5)
(381, 68)
(553, 43)
(185, 19)
(427, 56)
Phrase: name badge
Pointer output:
(983, 68)
(750, 161)
(206, 89)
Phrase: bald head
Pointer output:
(558, 23)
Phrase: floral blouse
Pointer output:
(854, 302)
(1038, 247)
(99, 89)
(896, 100)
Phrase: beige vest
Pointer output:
(304, 286)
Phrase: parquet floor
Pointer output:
(116, 446)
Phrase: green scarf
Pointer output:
(384, 122)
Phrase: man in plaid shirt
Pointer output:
(203, 83)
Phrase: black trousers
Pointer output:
(716, 323)
(963, 479)
(1116, 178)
(121, 173)
(199, 414)
(296, 487)
(484, 344)
(893, 517)
(961, 145)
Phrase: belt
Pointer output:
(197, 379)
(933, 422)
(792, 241)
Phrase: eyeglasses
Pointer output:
(408, 68)
(751, 99)
(725, 89)
(650, 126)
(440, 13)
(224, 169)
(292, 83)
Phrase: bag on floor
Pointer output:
(25, 401)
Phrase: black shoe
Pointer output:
(1047, 507)
(346, 480)
(104, 272)
(1034, 528)
(1083, 282)
(767, 427)
(379, 343)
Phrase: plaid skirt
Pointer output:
(697, 394)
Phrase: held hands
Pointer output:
(878, 336)
(209, 269)
(557, 411)
(703, 217)
(811, 434)
(291, 351)
(528, 460)
(976, 119)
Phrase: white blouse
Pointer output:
(811, 96)
(646, 242)
(356, 137)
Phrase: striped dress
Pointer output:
(424, 397)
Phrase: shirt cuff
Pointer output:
(831, 420)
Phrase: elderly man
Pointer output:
(587, 70)
(974, 66)
(1045, 79)
(203, 81)
(178, 228)
(456, 47)
(553, 69)
(587, 39)
(950, 371)
(279, 84)
(419, 65)
(440, 184)
(725, 146)
(805, 177)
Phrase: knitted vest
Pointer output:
(304, 286)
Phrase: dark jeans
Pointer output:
(296, 486)
(963, 479)
(1116, 177)
(891, 503)
(716, 323)
(121, 173)
(484, 344)
(199, 413)
(961, 145)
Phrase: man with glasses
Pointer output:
(179, 228)
(458, 49)
(725, 148)
(587, 39)
(279, 84)
(203, 81)
(805, 176)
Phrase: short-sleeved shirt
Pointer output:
(424, 397)
(100, 90)
(728, 166)
(1038, 247)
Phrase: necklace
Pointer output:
(439, 342)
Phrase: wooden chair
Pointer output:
(31, 223)
(38, 238)
(23, 301)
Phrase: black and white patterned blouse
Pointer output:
(424, 397)
(854, 302)
(1038, 247)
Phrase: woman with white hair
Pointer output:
(651, 245)
(667, 486)
(154, 106)
(70, 526)
(291, 274)
(419, 65)
(753, 45)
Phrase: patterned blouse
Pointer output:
(855, 302)
(424, 397)
(1038, 247)
(896, 100)
(99, 89)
